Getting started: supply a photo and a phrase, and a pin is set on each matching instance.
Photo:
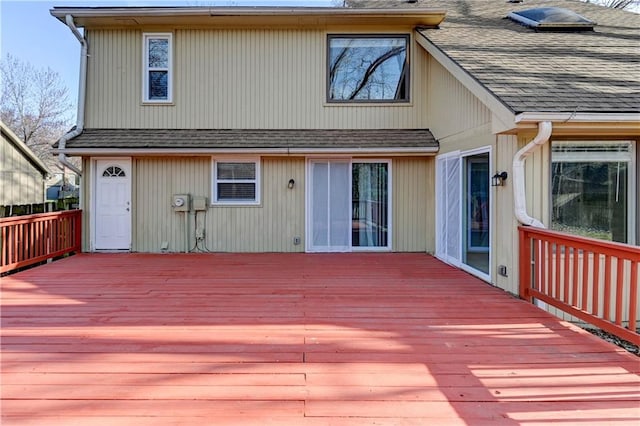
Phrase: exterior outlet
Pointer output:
(296, 241)
(502, 270)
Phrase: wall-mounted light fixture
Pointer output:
(291, 184)
(499, 178)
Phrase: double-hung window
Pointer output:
(236, 182)
(368, 68)
(157, 67)
(593, 187)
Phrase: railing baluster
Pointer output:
(606, 313)
(633, 297)
(575, 281)
(544, 273)
(585, 279)
(619, 288)
(596, 283)
(556, 265)
(567, 268)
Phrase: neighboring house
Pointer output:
(351, 129)
(22, 173)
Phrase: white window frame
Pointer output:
(633, 189)
(214, 182)
(455, 259)
(146, 68)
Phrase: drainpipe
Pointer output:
(62, 157)
(519, 194)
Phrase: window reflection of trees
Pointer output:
(368, 68)
(158, 53)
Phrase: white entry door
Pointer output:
(113, 204)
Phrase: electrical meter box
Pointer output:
(199, 204)
(180, 202)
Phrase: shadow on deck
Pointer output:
(294, 339)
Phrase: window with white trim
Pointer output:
(236, 182)
(157, 67)
(593, 187)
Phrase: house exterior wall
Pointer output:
(238, 78)
(268, 227)
(413, 204)
(455, 116)
(21, 182)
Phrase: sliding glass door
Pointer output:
(476, 205)
(330, 216)
(370, 205)
(348, 205)
(463, 205)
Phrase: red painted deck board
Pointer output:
(294, 339)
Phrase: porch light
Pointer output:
(499, 178)
(291, 184)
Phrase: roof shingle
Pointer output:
(589, 71)
(233, 139)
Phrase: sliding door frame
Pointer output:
(308, 203)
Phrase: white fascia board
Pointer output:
(566, 117)
(82, 12)
(500, 111)
(406, 151)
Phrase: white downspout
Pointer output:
(519, 193)
(62, 157)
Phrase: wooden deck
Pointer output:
(294, 339)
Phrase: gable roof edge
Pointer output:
(501, 111)
(24, 149)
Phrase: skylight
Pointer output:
(552, 18)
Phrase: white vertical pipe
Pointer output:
(519, 192)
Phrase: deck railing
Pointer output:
(592, 280)
(26, 240)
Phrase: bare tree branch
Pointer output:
(372, 68)
(35, 105)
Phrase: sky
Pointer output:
(29, 32)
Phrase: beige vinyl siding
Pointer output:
(236, 78)
(269, 227)
(506, 244)
(445, 94)
(86, 193)
(413, 204)
(20, 181)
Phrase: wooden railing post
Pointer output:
(525, 266)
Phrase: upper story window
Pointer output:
(157, 67)
(236, 182)
(368, 68)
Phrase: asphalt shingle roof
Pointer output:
(360, 139)
(591, 71)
